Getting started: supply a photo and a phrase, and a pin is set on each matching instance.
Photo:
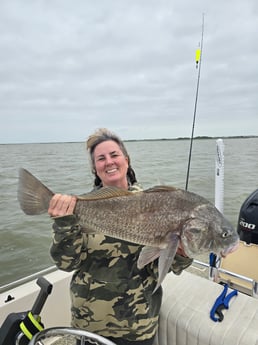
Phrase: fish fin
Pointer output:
(106, 193)
(161, 189)
(33, 195)
(147, 255)
(166, 258)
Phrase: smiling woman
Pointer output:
(111, 164)
(110, 160)
(111, 295)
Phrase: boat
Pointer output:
(185, 317)
(208, 304)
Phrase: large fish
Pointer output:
(161, 219)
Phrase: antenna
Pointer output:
(198, 65)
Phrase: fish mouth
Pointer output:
(229, 250)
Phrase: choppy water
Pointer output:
(64, 167)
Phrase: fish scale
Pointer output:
(122, 217)
(124, 227)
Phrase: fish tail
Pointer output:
(33, 195)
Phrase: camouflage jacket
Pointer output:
(110, 295)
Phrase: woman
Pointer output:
(110, 295)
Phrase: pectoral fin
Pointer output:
(165, 255)
(166, 258)
(147, 255)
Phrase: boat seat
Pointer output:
(243, 262)
(185, 314)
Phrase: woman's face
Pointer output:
(111, 165)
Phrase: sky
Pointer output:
(70, 67)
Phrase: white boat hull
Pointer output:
(184, 317)
(55, 312)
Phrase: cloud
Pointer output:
(67, 68)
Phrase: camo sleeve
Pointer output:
(180, 263)
(68, 246)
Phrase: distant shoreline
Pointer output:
(197, 138)
(157, 139)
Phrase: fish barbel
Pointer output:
(161, 219)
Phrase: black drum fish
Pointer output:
(161, 219)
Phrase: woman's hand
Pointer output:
(62, 205)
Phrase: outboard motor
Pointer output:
(248, 219)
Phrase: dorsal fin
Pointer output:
(106, 193)
(161, 189)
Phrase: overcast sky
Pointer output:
(69, 67)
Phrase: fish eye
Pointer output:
(225, 234)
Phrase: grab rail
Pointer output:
(27, 279)
(215, 271)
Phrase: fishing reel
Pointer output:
(19, 328)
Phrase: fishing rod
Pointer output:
(198, 65)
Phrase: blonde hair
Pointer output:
(99, 136)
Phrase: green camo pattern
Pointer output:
(110, 295)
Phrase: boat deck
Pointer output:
(185, 312)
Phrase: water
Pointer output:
(64, 167)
